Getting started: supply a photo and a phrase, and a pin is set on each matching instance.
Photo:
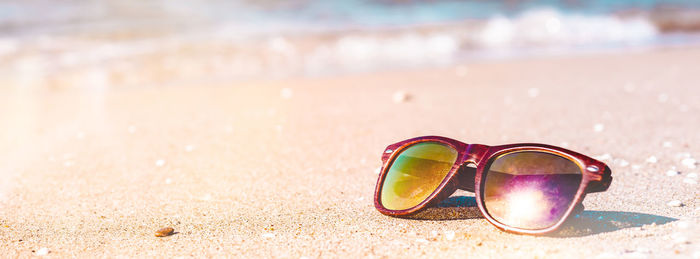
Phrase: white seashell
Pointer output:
(160, 162)
(598, 127)
(400, 97)
(42, 251)
(689, 162)
(652, 160)
(449, 235)
(674, 203)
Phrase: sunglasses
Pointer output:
(521, 188)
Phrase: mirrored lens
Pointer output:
(415, 173)
(530, 189)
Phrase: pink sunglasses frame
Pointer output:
(596, 176)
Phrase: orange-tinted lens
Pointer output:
(415, 173)
(530, 189)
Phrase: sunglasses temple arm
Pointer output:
(602, 184)
(466, 178)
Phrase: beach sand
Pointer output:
(287, 168)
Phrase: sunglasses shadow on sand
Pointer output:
(588, 222)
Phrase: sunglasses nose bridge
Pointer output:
(467, 171)
(475, 153)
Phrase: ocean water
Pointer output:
(104, 43)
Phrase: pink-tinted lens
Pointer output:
(530, 189)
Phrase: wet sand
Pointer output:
(247, 169)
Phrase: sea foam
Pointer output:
(546, 27)
(110, 51)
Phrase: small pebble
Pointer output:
(268, 235)
(42, 251)
(189, 148)
(286, 93)
(168, 181)
(68, 163)
(164, 232)
(689, 162)
(422, 240)
(652, 160)
(533, 92)
(692, 175)
(400, 97)
(598, 127)
(160, 162)
(662, 98)
(672, 173)
(674, 203)
(131, 129)
(667, 144)
(80, 135)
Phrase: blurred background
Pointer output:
(98, 44)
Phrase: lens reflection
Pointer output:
(530, 189)
(415, 173)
